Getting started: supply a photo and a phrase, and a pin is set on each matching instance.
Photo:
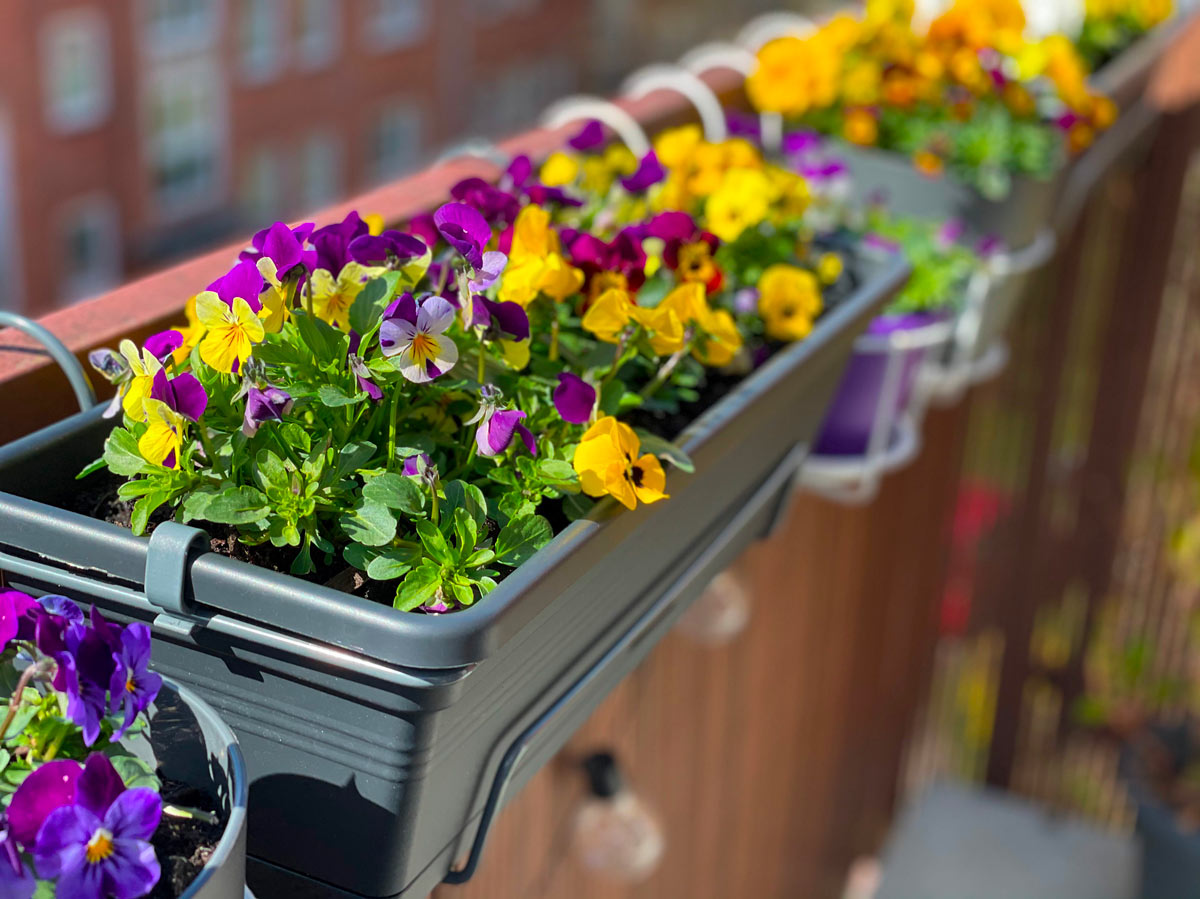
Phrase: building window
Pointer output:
(320, 172)
(76, 69)
(318, 33)
(185, 137)
(180, 26)
(514, 97)
(395, 143)
(260, 35)
(90, 254)
(261, 192)
(397, 23)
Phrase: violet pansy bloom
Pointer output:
(16, 882)
(414, 465)
(284, 246)
(243, 280)
(496, 430)
(332, 242)
(649, 172)
(182, 393)
(389, 248)
(498, 206)
(418, 344)
(542, 195)
(48, 787)
(949, 233)
(589, 137)
(743, 124)
(164, 343)
(85, 669)
(422, 227)
(574, 398)
(489, 271)
(519, 172)
(499, 321)
(465, 229)
(98, 845)
(133, 685)
(989, 245)
(265, 404)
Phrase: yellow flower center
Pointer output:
(131, 685)
(423, 347)
(603, 281)
(99, 847)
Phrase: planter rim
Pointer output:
(468, 636)
(239, 787)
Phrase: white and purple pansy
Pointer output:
(414, 337)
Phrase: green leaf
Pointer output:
(272, 471)
(122, 456)
(461, 495)
(352, 457)
(368, 305)
(521, 538)
(144, 508)
(90, 468)
(435, 542)
(316, 335)
(516, 505)
(369, 523)
(466, 533)
(652, 443)
(478, 558)
(418, 587)
(358, 555)
(195, 504)
(392, 563)
(396, 492)
(135, 772)
(238, 505)
(332, 395)
(462, 593)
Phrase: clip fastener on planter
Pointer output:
(719, 55)
(85, 394)
(474, 148)
(771, 25)
(167, 560)
(581, 107)
(669, 77)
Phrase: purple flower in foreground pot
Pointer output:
(391, 248)
(574, 398)
(465, 229)
(242, 281)
(16, 882)
(419, 344)
(133, 685)
(265, 404)
(183, 393)
(589, 137)
(85, 670)
(164, 343)
(332, 242)
(648, 173)
(285, 247)
(98, 846)
(48, 787)
(494, 263)
(499, 320)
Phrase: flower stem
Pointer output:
(55, 745)
(17, 698)
(482, 364)
(554, 340)
(433, 509)
(618, 351)
(391, 446)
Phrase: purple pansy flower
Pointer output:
(505, 320)
(413, 465)
(389, 248)
(133, 685)
(183, 393)
(489, 271)
(47, 787)
(422, 226)
(498, 206)
(624, 254)
(98, 846)
(332, 243)
(519, 172)
(16, 882)
(418, 341)
(743, 124)
(284, 246)
(85, 669)
(801, 142)
(263, 404)
(164, 343)
(574, 398)
(542, 195)
(649, 172)
(465, 229)
(243, 280)
(496, 430)
(989, 245)
(589, 137)
(949, 233)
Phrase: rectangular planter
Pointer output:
(372, 736)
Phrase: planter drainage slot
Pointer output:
(669, 605)
(882, 382)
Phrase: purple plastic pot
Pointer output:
(846, 430)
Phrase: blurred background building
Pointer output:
(136, 132)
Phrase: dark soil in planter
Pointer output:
(184, 845)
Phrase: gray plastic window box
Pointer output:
(373, 737)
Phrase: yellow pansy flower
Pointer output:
(163, 440)
(609, 315)
(860, 127)
(742, 201)
(231, 331)
(720, 339)
(375, 223)
(830, 267)
(789, 298)
(515, 353)
(608, 464)
(332, 298)
(143, 367)
(675, 146)
(558, 170)
(192, 332)
(276, 303)
(620, 159)
(780, 82)
(536, 264)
